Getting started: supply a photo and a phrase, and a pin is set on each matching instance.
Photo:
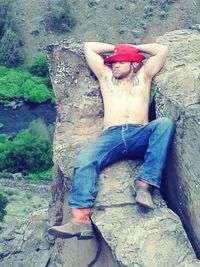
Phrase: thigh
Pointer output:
(137, 140)
(106, 149)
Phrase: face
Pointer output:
(121, 69)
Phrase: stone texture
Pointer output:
(26, 243)
(134, 236)
(178, 97)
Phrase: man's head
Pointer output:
(125, 60)
(123, 69)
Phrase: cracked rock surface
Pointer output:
(179, 98)
(26, 242)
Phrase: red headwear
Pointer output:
(124, 52)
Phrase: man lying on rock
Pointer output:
(125, 85)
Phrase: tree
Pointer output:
(3, 203)
(11, 53)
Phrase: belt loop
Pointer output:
(124, 127)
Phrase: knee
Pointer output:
(166, 123)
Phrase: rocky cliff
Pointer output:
(179, 98)
(133, 237)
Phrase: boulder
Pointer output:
(178, 97)
(129, 236)
(26, 243)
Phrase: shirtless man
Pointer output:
(125, 85)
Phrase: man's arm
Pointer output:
(92, 52)
(157, 60)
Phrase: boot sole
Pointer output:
(80, 235)
(141, 202)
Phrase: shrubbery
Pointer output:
(39, 66)
(22, 85)
(3, 203)
(30, 151)
(196, 14)
(11, 52)
(60, 17)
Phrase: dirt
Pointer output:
(23, 198)
(120, 21)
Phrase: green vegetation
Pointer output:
(39, 66)
(11, 52)
(38, 176)
(29, 152)
(18, 84)
(60, 17)
(196, 16)
(3, 203)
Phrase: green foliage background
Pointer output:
(30, 151)
(3, 203)
(20, 84)
(11, 52)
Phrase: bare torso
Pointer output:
(125, 102)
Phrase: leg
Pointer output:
(161, 133)
(152, 141)
(105, 150)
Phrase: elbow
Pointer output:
(86, 45)
(165, 50)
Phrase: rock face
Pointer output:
(134, 237)
(26, 243)
(179, 98)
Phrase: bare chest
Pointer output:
(128, 91)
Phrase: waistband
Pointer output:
(123, 126)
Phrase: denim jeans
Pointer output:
(150, 141)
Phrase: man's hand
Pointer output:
(92, 51)
(157, 60)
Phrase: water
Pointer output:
(16, 119)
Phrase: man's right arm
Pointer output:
(92, 51)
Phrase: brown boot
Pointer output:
(79, 226)
(142, 194)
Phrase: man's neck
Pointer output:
(130, 79)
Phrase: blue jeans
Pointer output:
(150, 141)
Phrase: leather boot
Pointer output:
(79, 226)
(142, 194)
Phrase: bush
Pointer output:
(60, 17)
(39, 67)
(5, 7)
(38, 176)
(11, 54)
(196, 15)
(30, 151)
(3, 203)
(21, 85)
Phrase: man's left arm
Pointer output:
(157, 60)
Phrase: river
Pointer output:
(16, 119)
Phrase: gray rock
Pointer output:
(134, 236)
(25, 243)
(178, 98)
